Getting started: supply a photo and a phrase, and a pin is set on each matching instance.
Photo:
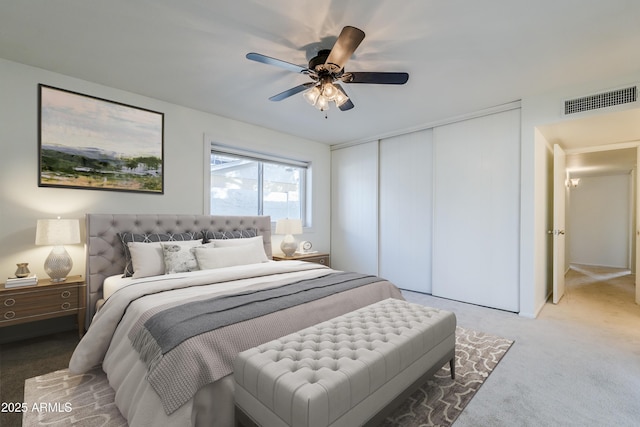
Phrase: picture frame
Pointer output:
(86, 142)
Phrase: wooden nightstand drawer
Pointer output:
(318, 258)
(23, 304)
(43, 301)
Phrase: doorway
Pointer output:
(603, 229)
(601, 208)
(604, 142)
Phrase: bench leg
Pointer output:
(452, 366)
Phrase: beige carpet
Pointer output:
(576, 365)
(598, 297)
(60, 399)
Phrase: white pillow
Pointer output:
(256, 242)
(148, 259)
(210, 258)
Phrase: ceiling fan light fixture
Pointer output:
(340, 98)
(329, 91)
(322, 103)
(312, 95)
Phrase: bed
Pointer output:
(167, 340)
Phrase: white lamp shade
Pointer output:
(53, 232)
(312, 95)
(289, 226)
(340, 98)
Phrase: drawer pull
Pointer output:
(65, 294)
(66, 305)
(9, 302)
(322, 261)
(9, 315)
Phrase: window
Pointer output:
(251, 185)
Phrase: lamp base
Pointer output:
(288, 246)
(58, 264)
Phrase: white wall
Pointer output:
(599, 221)
(22, 202)
(536, 163)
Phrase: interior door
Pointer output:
(558, 232)
(637, 271)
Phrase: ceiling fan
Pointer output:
(327, 68)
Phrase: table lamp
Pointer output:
(56, 233)
(289, 227)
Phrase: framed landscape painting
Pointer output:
(91, 143)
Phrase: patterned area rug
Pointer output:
(440, 401)
(61, 399)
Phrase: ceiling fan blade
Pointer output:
(380, 78)
(348, 105)
(290, 92)
(348, 41)
(277, 62)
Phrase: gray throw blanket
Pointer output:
(175, 325)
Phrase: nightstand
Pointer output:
(45, 300)
(317, 257)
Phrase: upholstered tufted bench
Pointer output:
(343, 371)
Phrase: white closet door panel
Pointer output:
(406, 209)
(354, 208)
(476, 210)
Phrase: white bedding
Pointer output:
(107, 343)
(112, 283)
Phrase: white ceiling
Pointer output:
(586, 141)
(462, 56)
(610, 162)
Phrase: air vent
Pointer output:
(601, 100)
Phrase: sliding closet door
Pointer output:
(406, 208)
(354, 208)
(476, 211)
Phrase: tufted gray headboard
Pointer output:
(105, 252)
